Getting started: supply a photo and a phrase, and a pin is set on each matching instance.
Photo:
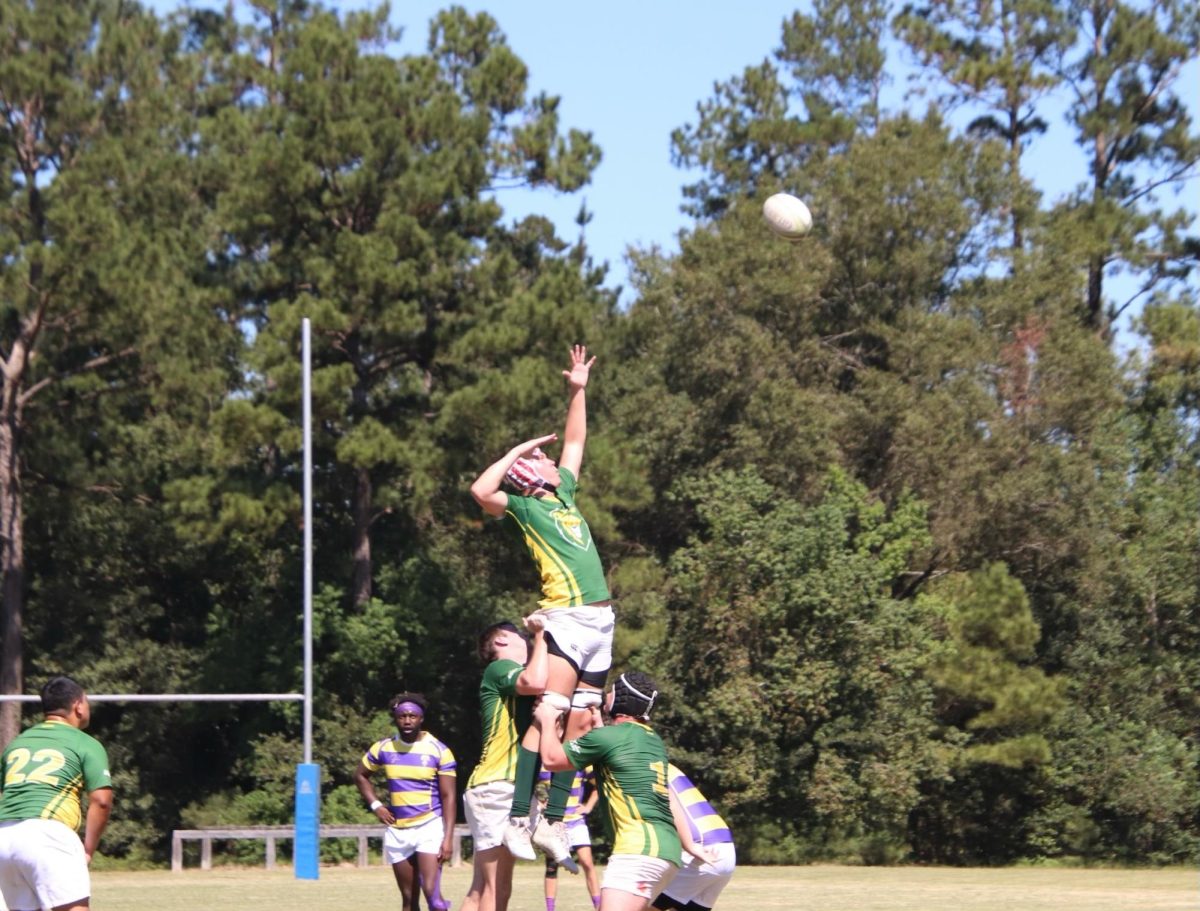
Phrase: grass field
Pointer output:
(815, 888)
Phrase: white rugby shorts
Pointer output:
(583, 634)
(42, 864)
(701, 882)
(639, 874)
(487, 808)
(400, 844)
(578, 835)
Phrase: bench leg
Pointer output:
(270, 852)
(206, 854)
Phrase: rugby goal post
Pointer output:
(306, 843)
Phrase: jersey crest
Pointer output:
(571, 527)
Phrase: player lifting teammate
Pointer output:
(649, 828)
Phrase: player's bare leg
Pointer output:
(430, 872)
(491, 882)
(583, 854)
(406, 880)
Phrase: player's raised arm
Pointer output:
(486, 488)
(575, 434)
(532, 681)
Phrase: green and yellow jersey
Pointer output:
(506, 715)
(45, 771)
(630, 763)
(561, 545)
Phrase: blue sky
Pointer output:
(635, 71)
(631, 71)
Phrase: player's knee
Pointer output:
(551, 869)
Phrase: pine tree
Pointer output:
(998, 58)
(98, 226)
(752, 136)
(1135, 130)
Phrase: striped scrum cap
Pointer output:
(524, 475)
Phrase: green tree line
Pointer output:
(904, 525)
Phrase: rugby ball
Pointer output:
(787, 216)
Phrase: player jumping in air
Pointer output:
(576, 608)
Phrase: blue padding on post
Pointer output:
(306, 847)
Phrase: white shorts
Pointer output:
(700, 882)
(42, 864)
(578, 835)
(639, 874)
(585, 636)
(400, 844)
(487, 808)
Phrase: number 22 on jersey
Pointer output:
(47, 763)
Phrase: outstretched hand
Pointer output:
(581, 366)
(523, 449)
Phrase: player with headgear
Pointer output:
(537, 495)
(630, 763)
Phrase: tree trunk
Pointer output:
(1095, 294)
(1014, 176)
(12, 565)
(362, 537)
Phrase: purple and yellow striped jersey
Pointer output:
(708, 828)
(583, 778)
(412, 771)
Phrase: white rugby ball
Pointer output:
(787, 216)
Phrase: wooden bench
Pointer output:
(270, 834)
